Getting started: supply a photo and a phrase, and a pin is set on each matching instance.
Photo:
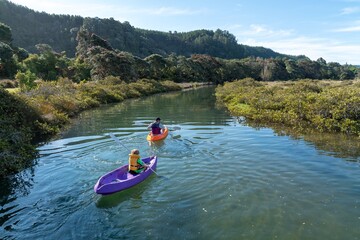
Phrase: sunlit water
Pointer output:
(217, 179)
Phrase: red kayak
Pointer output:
(157, 137)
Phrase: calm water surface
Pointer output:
(218, 179)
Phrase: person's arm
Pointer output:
(161, 126)
(142, 163)
(150, 126)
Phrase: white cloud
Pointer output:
(262, 30)
(313, 48)
(67, 7)
(287, 42)
(350, 29)
(166, 11)
(102, 10)
(350, 10)
(354, 28)
(259, 31)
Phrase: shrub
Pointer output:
(26, 80)
(17, 133)
(322, 105)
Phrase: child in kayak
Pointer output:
(156, 127)
(136, 165)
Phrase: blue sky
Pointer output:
(316, 28)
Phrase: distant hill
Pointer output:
(30, 27)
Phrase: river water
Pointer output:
(217, 179)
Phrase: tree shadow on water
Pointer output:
(16, 185)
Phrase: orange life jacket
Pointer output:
(133, 164)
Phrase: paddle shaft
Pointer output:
(118, 141)
(153, 171)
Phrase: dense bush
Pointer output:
(20, 127)
(328, 106)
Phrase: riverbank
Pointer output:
(326, 106)
(34, 117)
(188, 85)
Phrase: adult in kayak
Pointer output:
(136, 165)
(156, 127)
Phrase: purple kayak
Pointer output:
(120, 179)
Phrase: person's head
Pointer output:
(158, 119)
(135, 151)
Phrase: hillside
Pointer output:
(30, 27)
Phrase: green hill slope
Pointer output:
(30, 27)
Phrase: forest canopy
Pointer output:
(59, 31)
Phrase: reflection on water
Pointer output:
(332, 144)
(338, 145)
(216, 179)
(156, 145)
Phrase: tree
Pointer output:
(274, 69)
(5, 34)
(26, 80)
(157, 65)
(8, 65)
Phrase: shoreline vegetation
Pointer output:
(33, 117)
(304, 105)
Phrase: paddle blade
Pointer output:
(176, 136)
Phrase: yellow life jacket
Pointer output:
(133, 164)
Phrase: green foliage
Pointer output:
(26, 80)
(5, 33)
(78, 71)
(19, 130)
(327, 106)
(8, 65)
(39, 27)
(50, 66)
(21, 54)
(189, 56)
